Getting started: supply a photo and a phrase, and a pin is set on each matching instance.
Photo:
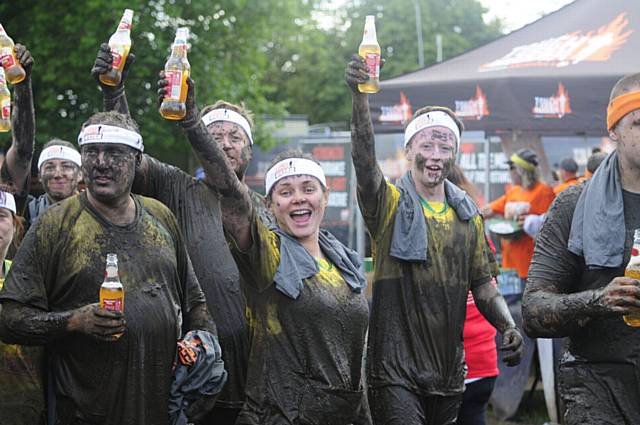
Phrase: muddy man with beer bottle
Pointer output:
(583, 282)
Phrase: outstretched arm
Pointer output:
(23, 123)
(235, 200)
(114, 97)
(368, 172)
(494, 308)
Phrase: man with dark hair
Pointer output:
(568, 175)
(429, 251)
(106, 369)
(576, 287)
(197, 209)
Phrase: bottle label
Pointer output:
(6, 57)
(112, 304)
(117, 59)
(175, 84)
(124, 25)
(373, 62)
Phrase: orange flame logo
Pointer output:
(556, 106)
(475, 108)
(568, 49)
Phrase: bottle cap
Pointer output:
(182, 35)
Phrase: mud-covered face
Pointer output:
(431, 154)
(109, 170)
(298, 204)
(59, 178)
(627, 136)
(234, 142)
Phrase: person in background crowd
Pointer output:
(480, 352)
(21, 392)
(528, 195)
(430, 250)
(568, 175)
(593, 162)
(576, 286)
(106, 370)
(58, 164)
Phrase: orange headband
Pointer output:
(621, 106)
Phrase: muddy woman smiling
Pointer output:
(304, 289)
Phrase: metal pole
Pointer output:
(487, 169)
(438, 48)
(419, 34)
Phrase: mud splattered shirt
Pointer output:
(197, 209)
(418, 312)
(21, 393)
(60, 267)
(306, 354)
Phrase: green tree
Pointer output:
(309, 71)
(230, 47)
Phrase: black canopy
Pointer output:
(552, 77)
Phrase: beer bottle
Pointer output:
(120, 44)
(5, 104)
(111, 291)
(176, 72)
(370, 51)
(633, 271)
(13, 71)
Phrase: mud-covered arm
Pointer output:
(551, 307)
(23, 123)
(20, 324)
(114, 98)
(363, 151)
(199, 318)
(235, 199)
(493, 307)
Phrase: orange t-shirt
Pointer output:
(517, 253)
(562, 186)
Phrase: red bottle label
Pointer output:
(112, 304)
(175, 84)
(117, 59)
(124, 26)
(6, 58)
(373, 62)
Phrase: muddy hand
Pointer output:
(512, 347)
(97, 322)
(192, 109)
(356, 73)
(24, 57)
(621, 296)
(104, 62)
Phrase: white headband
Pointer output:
(103, 133)
(431, 119)
(293, 167)
(7, 201)
(229, 116)
(64, 153)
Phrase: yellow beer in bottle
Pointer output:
(120, 44)
(5, 104)
(370, 51)
(176, 72)
(112, 291)
(13, 71)
(633, 271)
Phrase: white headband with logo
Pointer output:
(103, 133)
(293, 167)
(229, 116)
(64, 153)
(432, 119)
(7, 201)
